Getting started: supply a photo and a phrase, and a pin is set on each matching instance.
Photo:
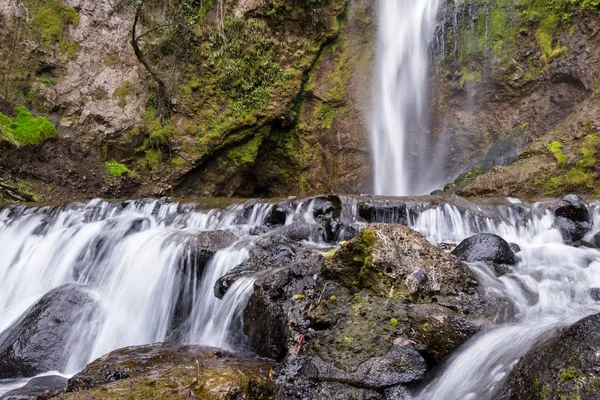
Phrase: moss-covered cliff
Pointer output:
(518, 85)
(223, 98)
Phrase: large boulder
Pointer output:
(396, 261)
(572, 218)
(386, 307)
(487, 248)
(172, 371)
(563, 367)
(38, 388)
(278, 298)
(42, 339)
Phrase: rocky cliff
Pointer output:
(517, 96)
(207, 98)
(268, 98)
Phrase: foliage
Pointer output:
(116, 169)
(51, 17)
(25, 129)
(556, 149)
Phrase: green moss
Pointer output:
(545, 36)
(51, 17)
(123, 92)
(110, 60)
(245, 153)
(467, 77)
(24, 129)
(393, 322)
(327, 114)
(556, 149)
(116, 169)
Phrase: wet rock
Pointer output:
(401, 364)
(596, 240)
(514, 247)
(595, 294)
(277, 299)
(42, 338)
(172, 371)
(385, 307)
(572, 218)
(278, 215)
(572, 207)
(301, 231)
(437, 331)
(272, 251)
(36, 387)
(563, 367)
(341, 391)
(395, 261)
(198, 253)
(486, 248)
(392, 212)
(583, 243)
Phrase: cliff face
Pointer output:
(517, 96)
(261, 98)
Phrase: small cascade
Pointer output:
(399, 128)
(150, 269)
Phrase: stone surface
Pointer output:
(171, 371)
(487, 248)
(37, 387)
(563, 367)
(42, 339)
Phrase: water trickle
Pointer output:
(398, 131)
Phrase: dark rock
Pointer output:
(197, 254)
(572, 218)
(35, 387)
(150, 371)
(383, 211)
(487, 248)
(267, 313)
(514, 247)
(341, 391)
(277, 216)
(300, 231)
(401, 364)
(570, 230)
(583, 243)
(572, 207)
(41, 340)
(595, 294)
(564, 366)
(271, 251)
(596, 240)
(437, 192)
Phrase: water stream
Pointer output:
(139, 261)
(400, 96)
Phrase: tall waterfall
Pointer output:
(400, 93)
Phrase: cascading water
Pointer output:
(400, 96)
(140, 262)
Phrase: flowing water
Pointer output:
(139, 260)
(400, 96)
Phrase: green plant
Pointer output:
(116, 169)
(25, 129)
(556, 149)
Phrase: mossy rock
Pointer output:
(563, 367)
(171, 371)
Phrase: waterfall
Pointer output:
(141, 264)
(399, 123)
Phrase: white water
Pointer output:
(400, 94)
(550, 288)
(134, 260)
